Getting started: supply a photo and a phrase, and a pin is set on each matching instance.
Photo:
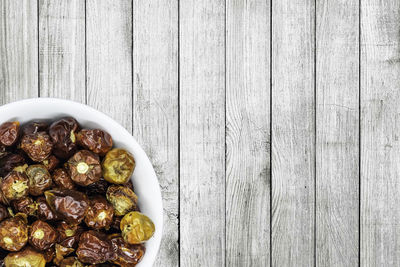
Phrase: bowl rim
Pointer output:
(139, 150)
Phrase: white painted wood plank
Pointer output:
(337, 122)
(109, 58)
(62, 49)
(18, 50)
(293, 133)
(380, 128)
(155, 106)
(248, 133)
(202, 133)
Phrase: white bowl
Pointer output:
(144, 178)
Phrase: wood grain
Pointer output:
(380, 127)
(18, 50)
(293, 133)
(109, 58)
(155, 107)
(337, 124)
(248, 133)
(202, 133)
(62, 49)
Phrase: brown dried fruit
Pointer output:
(97, 188)
(14, 186)
(62, 133)
(25, 205)
(126, 254)
(100, 213)
(33, 127)
(3, 213)
(69, 234)
(9, 162)
(96, 140)
(61, 252)
(85, 168)
(62, 179)
(49, 254)
(42, 235)
(69, 205)
(9, 132)
(44, 211)
(39, 179)
(51, 163)
(37, 146)
(13, 233)
(94, 248)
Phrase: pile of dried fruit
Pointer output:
(66, 198)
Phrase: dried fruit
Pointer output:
(100, 213)
(126, 254)
(39, 179)
(62, 133)
(122, 198)
(96, 140)
(136, 227)
(14, 186)
(37, 146)
(9, 132)
(13, 233)
(94, 248)
(62, 179)
(118, 166)
(27, 257)
(42, 235)
(85, 168)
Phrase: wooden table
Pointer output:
(273, 127)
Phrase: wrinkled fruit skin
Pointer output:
(42, 235)
(100, 213)
(3, 213)
(122, 198)
(69, 234)
(9, 132)
(94, 248)
(71, 262)
(85, 168)
(25, 205)
(39, 179)
(97, 188)
(34, 127)
(96, 140)
(62, 133)
(126, 254)
(136, 228)
(13, 233)
(118, 166)
(44, 211)
(69, 205)
(37, 146)
(14, 186)
(62, 179)
(27, 257)
(51, 163)
(61, 252)
(9, 162)
(49, 254)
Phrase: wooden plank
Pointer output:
(18, 50)
(380, 127)
(248, 133)
(293, 133)
(337, 124)
(109, 58)
(155, 107)
(202, 133)
(62, 49)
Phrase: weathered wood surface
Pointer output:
(293, 133)
(337, 124)
(62, 49)
(202, 133)
(247, 133)
(194, 82)
(18, 50)
(380, 127)
(109, 58)
(155, 106)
